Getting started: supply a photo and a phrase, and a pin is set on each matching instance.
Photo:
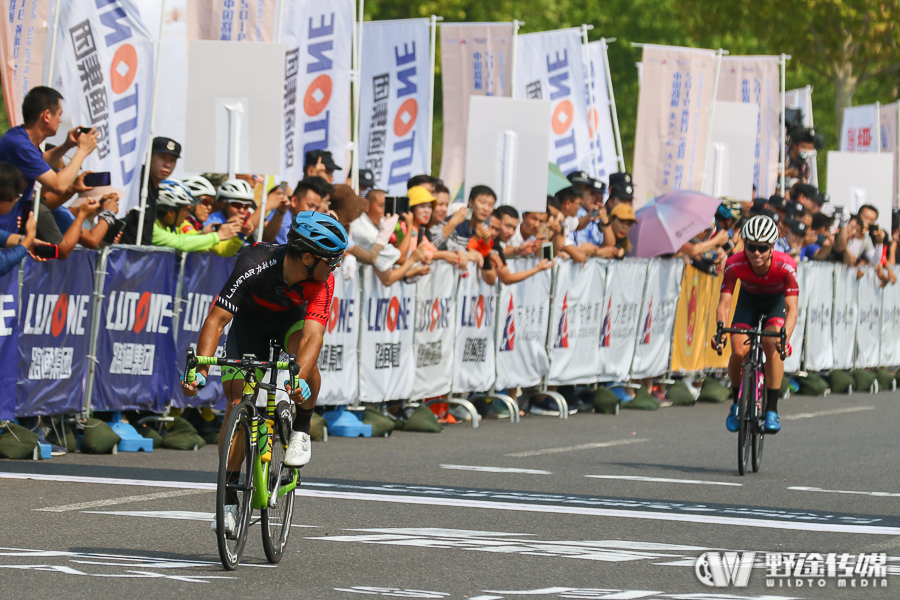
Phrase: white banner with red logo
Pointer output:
(673, 120)
(435, 331)
(23, 39)
(575, 319)
(890, 325)
(620, 314)
(522, 359)
(338, 359)
(394, 97)
(232, 20)
(868, 321)
(843, 317)
(801, 99)
(317, 38)
(657, 318)
(550, 66)
(600, 121)
(792, 363)
(387, 367)
(757, 80)
(819, 351)
(476, 60)
(106, 59)
(859, 130)
(474, 353)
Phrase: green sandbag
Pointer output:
(840, 381)
(713, 391)
(149, 432)
(785, 386)
(885, 379)
(863, 380)
(381, 425)
(642, 401)
(211, 437)
(17, 442)
(399, 425)
(605, 401)
(680, 395)
(812, 385)
(317, 426)
(423, 420)
(60, 435)
(99, 437)
(182, 436)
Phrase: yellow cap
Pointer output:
(623, 212)
(419, 195)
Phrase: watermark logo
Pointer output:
(724, 569)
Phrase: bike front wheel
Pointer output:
(758, 431)
(276, 520)
(746, 401)
(234, 490)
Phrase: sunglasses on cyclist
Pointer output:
(333, 262)
(758, 248)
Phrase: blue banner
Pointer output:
(204, 276)
(9, 338)
(54, 334)
(136, 342)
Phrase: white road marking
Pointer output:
(494, 505)
(664, 480)
(182, 515)
(578, 447)
(825, 413)
(876, 494)
(495, 469)
(122, 500)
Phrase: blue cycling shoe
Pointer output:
(732, 422)
(772, 423)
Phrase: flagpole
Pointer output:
(712, 112)
(357, 78)
(612, 103)
(36, 206)
(589, 82)
(434, 21)
(782, 61)
(515, 44)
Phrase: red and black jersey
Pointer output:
(781, 278)
(257, 285)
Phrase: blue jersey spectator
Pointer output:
(13, 247)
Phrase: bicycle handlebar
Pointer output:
(782, 334)
(246, 363)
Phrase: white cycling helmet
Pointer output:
(760, 229)
(173, 194)
(236, 189)
(199, 186)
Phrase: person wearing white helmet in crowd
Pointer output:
(172, 207)
(236, 199)
(197, 221)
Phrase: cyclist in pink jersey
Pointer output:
(768, 288)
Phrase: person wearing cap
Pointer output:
(311, 193)
(807, 195)
(366, 181)
(621, 220)
(172, 208)
(427, 181)
(421, 205)
(320, 163)
(196, 221)
(164, 157)
(621, 191)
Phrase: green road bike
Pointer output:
(251, 458)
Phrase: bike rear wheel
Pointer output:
(235, 484)
(758, 431)
(747, 398)
(276, 520)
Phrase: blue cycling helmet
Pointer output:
(318, 234)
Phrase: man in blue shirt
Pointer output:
(311, 193)
(20, 146)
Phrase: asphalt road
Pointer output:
(596, 506)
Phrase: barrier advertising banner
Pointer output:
(793, 362)
(227, 20)
(868, 321)
(476, 60)
(713, 360)
(476, 301)
(522, 328)
(204, 276)
(843, 317)
(620, 313)
(106, 59)
(859, 129)
(435, 331)
(550, 66)
(575, 320)
(890, 325)
(757, 80)
(673, 120)
(819, 341)
(654, 347)
(136, 342)
(688, 351)
(317, 40)
(603, 141)
(23, 38)
(394, 97)
(339, 358)
(387, 367)
(9, 339)
(54, 334)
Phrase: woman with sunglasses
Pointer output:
(768, 288)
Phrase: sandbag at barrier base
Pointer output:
(680, 395)
(18, 443)
(713, 391)
(345, 423)
(182, 436)
(318, 428)
(886, 379)
(863, 380)
(382, 426)
(421, 420)
(840, 382)
(642, 401)
(61, 435)
(606, 402)
(98, 438)
(813, 385)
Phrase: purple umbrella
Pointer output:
(669, 221)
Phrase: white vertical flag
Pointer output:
(859, 130)
(600, 120)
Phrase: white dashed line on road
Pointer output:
(624, 442)
(826, 413)
(663, 480)
(858, 493)
(122, 500)
(495, 469)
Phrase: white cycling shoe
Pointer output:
(231, 521)
(299, 450)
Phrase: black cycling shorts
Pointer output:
(250, 334)
(750, 307)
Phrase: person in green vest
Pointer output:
(172, 208)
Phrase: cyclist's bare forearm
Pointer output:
(211, 333)
(724, 307)
(308, 348)
(790, 315)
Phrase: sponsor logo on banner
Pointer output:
(196, 310)
(433, 314)
(507, 344)
(648, 323)
(476, 313)
(585, 322)
(562, 330)
(388, 314)
(54, 314)
(7, 313)
(606, 329)
(340, 320)
(692, 316)
(139, 312)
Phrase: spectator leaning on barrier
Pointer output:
(319, 163)
(163, 159)
(503, 227)
(197, 219)
(622, 219)
(311, 193)
(13, 247)
(421, 205)
(808, 196)
(439, 228)
(821, 248)
(473, 235)
(621, 191)
(172, 207)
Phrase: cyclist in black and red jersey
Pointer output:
(280, 292)
(768, 288)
